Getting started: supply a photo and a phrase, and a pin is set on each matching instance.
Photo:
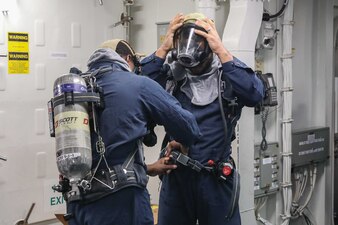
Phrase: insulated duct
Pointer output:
(207, 7)
(239, 37)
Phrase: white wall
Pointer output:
(302, 75)
(313, 87)
(71, 27)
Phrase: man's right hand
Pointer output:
(167, 44)
(161, 166)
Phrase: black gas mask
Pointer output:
(190, 49)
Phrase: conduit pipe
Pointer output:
(287, 111)
(127, 4)
(239, 37)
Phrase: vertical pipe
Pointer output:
(335, 104)
(287, 111)
(127, 23)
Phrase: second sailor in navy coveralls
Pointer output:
(196, 71)
(119, 196)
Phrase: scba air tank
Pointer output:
(72, 132)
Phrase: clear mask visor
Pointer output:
(190, 47)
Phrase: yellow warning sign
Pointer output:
(18, 53)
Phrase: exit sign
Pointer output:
(53, 200)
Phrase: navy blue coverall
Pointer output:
(131, 102)
(188, 196)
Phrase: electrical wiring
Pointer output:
(275, 109)
(309, 217)
(301, 180)
(267, 16)
(263, 221)
(264, 117)
(259, 203)
(300, 184)
(308, 221)
(287, 112)
(313, 177)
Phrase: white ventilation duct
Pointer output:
(207, 7)
(239, 37)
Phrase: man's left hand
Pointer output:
(213, 39)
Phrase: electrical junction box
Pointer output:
(266, 170)
(310, 146)
(161, 32)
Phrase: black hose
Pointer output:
(267, 16)
(264, 116)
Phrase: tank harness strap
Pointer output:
(119, 175)
(123, 173)
(94, 96)
(107, 181)
(226, 93)
(69, 98)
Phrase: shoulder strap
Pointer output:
(227, 94)
(221, 84)
(226, 88)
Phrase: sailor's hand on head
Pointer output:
(167, 44)
(213, 39)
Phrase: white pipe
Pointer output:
(207, 7)
(127, 24)
(335, 43)
(239, 37)
(287, 111)
(336, 98)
